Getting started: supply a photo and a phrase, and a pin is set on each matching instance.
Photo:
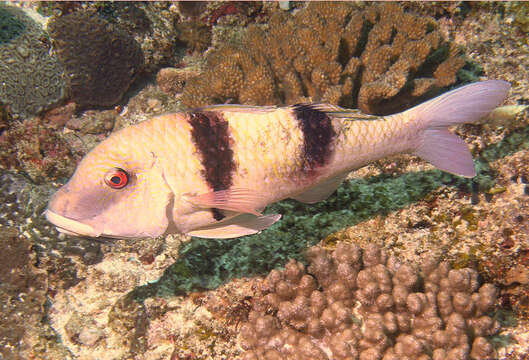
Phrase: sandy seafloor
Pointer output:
(92, 317)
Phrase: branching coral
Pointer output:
(30, 79)
(100, 59)
(380, 60)
(362, 304)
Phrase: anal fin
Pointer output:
(241, 225)
(321, 191)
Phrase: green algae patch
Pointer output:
(208, 263)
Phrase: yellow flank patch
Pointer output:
(265, 146)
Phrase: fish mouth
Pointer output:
(70, 226)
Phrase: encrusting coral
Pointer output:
(380, 60)
(100, 59)
(363, 304)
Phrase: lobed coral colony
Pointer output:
(100, 59)
(365, 305)
(380, 60)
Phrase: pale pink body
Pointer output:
(170, 194)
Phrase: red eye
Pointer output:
(117, 178)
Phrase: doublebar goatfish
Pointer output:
(210, 172)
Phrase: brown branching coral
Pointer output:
(363, 304)
(380, 60)
(100, 59)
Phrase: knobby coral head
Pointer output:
(355, 303)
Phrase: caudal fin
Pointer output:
(466, 104)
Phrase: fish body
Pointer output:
(210, 172)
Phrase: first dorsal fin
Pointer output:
(237, 108)
(336, 111)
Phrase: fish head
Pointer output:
(118, 190)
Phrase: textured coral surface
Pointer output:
(100, 59)
(354, 304)
(30, 79)
(380, 60)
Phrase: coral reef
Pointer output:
(153, 26)
(112, 326)
(30, 79)
(21, 206)
(304, 225)
(36, 150)
(354, 304)
(100, 59)
(380, 60)
(58, 116)
(116, 299)
(93, 122)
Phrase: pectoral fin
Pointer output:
(235, 199)
(241, 225)
(321, 191)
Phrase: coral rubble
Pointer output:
(380, 60)
(30, 79)
(362, 304)
(101, 60)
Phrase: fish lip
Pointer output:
(70, 226)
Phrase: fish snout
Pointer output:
(60, 201)
(72, 214)
(78, 203)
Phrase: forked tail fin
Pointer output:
(466, 104)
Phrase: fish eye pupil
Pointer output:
(116, 178)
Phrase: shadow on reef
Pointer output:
(209, 263)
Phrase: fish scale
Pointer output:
(276, 156)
